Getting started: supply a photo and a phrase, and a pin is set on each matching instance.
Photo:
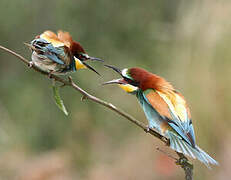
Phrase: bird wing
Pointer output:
(52, 38)
(172, 107)
(55, 53)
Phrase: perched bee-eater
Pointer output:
(165, 108)
(58, 54)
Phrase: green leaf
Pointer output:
(58, 100)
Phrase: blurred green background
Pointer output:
(187, 42)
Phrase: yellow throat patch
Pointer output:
(79, 64)
(128, 88)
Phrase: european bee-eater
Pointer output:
(165, 108)
(59, 54)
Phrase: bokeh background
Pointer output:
(187, 42)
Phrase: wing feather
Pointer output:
(52, 38)
(157, 102)
(173, 108)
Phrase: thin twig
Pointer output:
(182, 161)
(167, 154)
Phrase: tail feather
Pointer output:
(179, 145)
(210, 159)
(188, 151)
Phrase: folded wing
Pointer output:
(172, 108)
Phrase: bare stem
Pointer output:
(182, 161)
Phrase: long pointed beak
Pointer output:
(87, 57)
(115, 81)
(91, 68)
(95, 59)
(114, 68)
(123, 85)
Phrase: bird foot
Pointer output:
(70, 80)
(147, 129)
(31, 63)
(83, 98)
(50, 74)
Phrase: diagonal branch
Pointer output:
(182, 161)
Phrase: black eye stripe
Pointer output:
(134, 83)
(42, 44)
(81, 56)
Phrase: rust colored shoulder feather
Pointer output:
(158, 103)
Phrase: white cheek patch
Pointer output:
(86, 56)
(124, 73)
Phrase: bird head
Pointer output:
(136, 78)
(78, 51)
(81, 56)
(63, 39)
(128, 82)
(38, 45)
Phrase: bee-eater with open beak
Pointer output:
(165, 108)
(59, 54)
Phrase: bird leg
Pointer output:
(70, 80)
(50, 74)
(147, 129)
(83, 98)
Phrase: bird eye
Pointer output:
(41, 44)
(134, 83)
(83, 56)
